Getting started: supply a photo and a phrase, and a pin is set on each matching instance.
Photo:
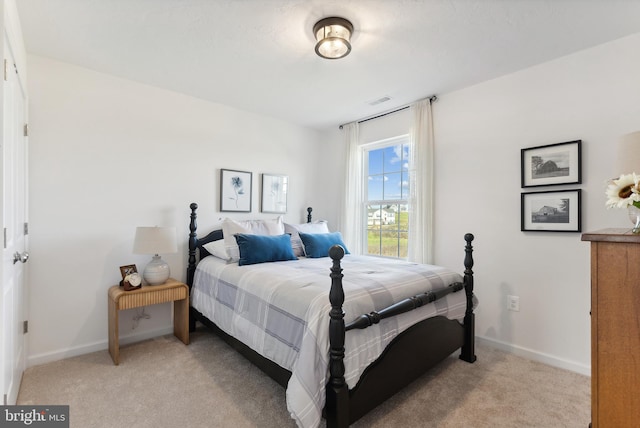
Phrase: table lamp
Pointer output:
(628, 154)
(155, 240)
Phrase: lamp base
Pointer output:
(156, 272)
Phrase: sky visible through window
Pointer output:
(388, 173)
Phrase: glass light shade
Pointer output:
(155, 240)
(628, 154)
(333, 37)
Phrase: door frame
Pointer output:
(12, 39)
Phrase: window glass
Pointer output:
(387, 192)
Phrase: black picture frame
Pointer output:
(550, 165)
(235, 190)
(551, 211)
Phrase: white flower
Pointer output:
(623, 191)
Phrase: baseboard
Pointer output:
(103, 345)
(536, 356)
(36, 360)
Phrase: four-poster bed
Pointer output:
(405, 354)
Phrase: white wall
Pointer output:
(479, 132)
(101, 146)
(591, 96)
(108, 155)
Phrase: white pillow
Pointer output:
(252, 227)
(319, 226)
(217, 249)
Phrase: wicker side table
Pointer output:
(170, 291)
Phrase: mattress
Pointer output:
(281, 310)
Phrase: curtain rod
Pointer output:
(431, 99)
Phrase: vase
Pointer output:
(634, 216)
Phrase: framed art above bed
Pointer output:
(274, 193)
(235, 190)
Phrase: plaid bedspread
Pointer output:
(281, 310)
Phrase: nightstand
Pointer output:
(170, 291)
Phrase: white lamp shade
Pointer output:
(628, 154)
(155, 240)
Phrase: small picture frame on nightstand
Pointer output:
(131, 280)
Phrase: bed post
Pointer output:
(191, 263)
(193, 225)
(309, 209)
(468, 348)
(337, 404)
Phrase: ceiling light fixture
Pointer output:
(333, 36)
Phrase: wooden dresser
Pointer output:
(615, 328)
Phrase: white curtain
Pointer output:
(352, 224)
(421, 184)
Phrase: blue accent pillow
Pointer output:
(318, 244)
(264, 248)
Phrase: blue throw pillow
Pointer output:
(318, 244)
(264, 248)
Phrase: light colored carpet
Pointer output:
(163, 383)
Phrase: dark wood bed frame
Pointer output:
(407, 357)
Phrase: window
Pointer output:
(387, 193)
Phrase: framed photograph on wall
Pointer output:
(274, 193)
(552, 164)
(235, 190)
(558, 211)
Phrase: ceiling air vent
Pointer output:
(379, 101)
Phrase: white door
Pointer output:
(14, 205)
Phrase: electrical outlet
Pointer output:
(513, 303)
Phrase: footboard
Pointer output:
(411, 354)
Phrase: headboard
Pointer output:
(197, 245)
